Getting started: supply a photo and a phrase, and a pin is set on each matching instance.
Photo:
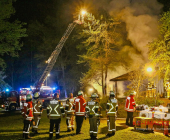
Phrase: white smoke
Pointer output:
(141, 19)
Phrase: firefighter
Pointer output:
(129, 107)
(111, 110)
(92, 110)
(57, 96)
(54, 112)
(37, 111)
(27, 113)
(70, 113)
(79, 107)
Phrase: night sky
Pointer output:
(29, 11)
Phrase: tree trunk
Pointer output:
(105, 86)
(65, 92)
(102, 81)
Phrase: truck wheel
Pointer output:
(12, 107)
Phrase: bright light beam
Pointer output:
(90, 89)
(149, 69)
(83, 12)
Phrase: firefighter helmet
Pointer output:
(71, 95)
(112, 94)
(132, 93)
(36, 95)
(80, 93)
(29, 97)
(94, 95)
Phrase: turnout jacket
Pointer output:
(112, 106)
(37, 107)
(92, 108)
(130, 103)
(27, 111)
(69, 106)
(79, 106)
(55, 109)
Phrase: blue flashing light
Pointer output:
(54, 88)
(7, 90)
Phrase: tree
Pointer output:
(45, 34)
(159, 49)
(3, 84)
(10, 31)
(137, 80)
(103, 45)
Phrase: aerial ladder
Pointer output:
(52, 59)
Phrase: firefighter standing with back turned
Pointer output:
(79, 107)
(37, 111)
(54, 112)
(129, 107)
(92, 109)
(111, 109)
(70, 113)
(27, 113)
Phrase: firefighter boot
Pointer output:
(36, 132)
(23, 135)
(27, 136)
(58, 136)
(50, 136)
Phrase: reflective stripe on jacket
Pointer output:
(79, 106)
(112, 103)
(27, 111)
(69, 106)
(55, 109)
(37, 107)
(129, 105)
(92, 108)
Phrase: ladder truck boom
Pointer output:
(52, 59)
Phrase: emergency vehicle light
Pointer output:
(7, 90)
(25, 88)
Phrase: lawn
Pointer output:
(11, 129)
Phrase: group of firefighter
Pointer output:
(76, 109)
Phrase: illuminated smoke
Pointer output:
(141, 20)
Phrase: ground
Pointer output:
(11, 129)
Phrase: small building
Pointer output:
(121, 82)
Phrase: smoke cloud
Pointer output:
(141, 20)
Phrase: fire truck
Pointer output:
(46, 94)
(10, 100)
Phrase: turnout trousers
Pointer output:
(70, 121)
(111, 124)
(94, 123)
(79, 122)
(55, 123)
(26, 128)
(36, 122)
(129, 116)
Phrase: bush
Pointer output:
(150, 101)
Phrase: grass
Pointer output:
(11, 129)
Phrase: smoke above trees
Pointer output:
(141, 21)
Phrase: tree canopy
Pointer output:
(10, 31)
(159, 49)
(103, 50)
